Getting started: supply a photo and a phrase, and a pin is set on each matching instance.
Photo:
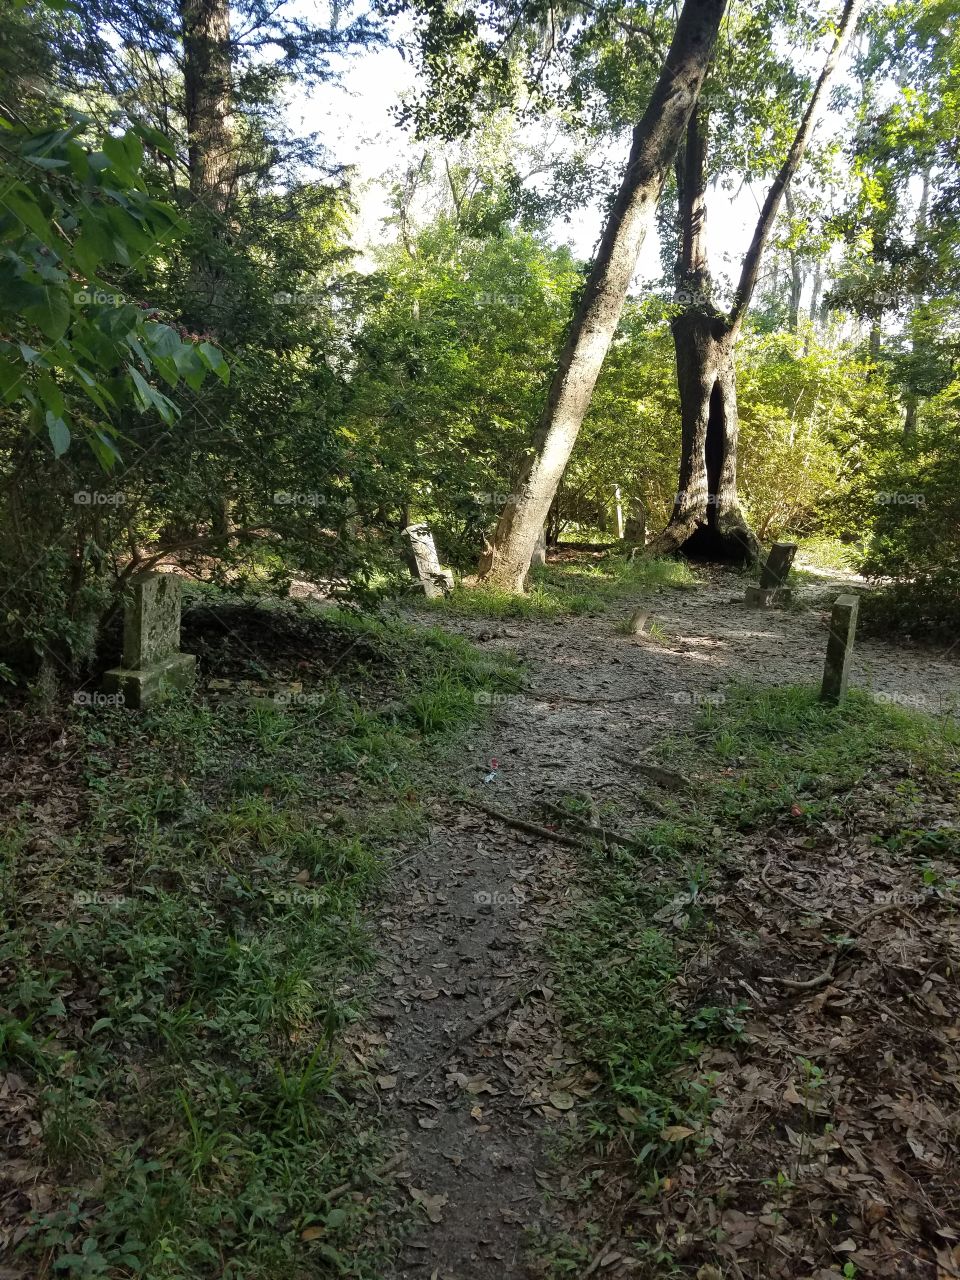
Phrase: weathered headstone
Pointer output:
(836, 668)
(635, 529)
(540, 550)
(435, 581)
(773, 576)
(151, 642)
(618, 511)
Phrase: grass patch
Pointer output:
(769, 760)
(573, 587)
(186, 951)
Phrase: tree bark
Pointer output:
(707, 521)
(207, 75)
(655, 141)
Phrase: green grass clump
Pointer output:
(575, 587)
(184, 955)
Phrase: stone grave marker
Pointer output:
(435, 581)
(836, 668)
(151, 643)
(771, 589)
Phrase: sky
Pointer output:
(354, 118)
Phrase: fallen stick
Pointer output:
(491, 1015)
(521, 824)
(384, 1169)
(588, 828)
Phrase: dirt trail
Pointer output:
(471, 1051)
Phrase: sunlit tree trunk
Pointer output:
(655, 141)
(707, 521)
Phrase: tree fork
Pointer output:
(655, 141)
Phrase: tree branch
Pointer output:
(771, 206)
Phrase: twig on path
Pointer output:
(669, 779)
(807, 984)
(588, 828)
(782, 893)
(521, 824)
(491, 1015)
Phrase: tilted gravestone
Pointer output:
(836, 668)
(435, 581)
(151, 643)
(773, 576)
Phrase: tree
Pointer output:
(594, 324)
(707, 519)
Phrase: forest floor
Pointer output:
(726, 1041)
(564, 952)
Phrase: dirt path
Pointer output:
(475, 1070)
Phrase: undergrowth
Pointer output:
(186, 950)
(766, 759)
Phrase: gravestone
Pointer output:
(836, 668)
(540, 550)
(635, 529)
(771, 589)
(435, 581)
(151, 643)
(618, 512)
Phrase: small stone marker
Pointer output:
(151, 643)
(618, 511)
(435, 581)
(836, 668)
(773, 576)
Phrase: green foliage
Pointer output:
(186, 957)
(75, 351)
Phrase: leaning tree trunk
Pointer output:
(655, 140)
(707, 521)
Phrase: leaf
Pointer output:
(214, 361)
(59, 434)
(562, 1100)
(431, 1204)
(676, 1133)
(52, 314)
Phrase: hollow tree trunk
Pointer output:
(707, 521)
(655, 140)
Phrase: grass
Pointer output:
(186, 951)
(767, 759)
(576, 587)
(830, 553)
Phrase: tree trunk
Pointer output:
(707, 521)
(207, 67)
(655, 140)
